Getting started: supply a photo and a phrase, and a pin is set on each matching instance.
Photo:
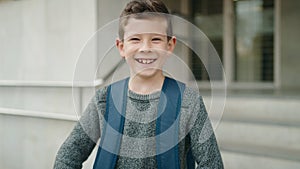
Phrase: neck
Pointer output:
(146, 85)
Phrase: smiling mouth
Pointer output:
(145, 61)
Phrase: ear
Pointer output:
(171, 44)
(120, 46)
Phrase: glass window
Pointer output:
(252, 26)
(208, 16)
(254, 40)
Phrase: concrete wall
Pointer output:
(289, 40)
(30, 143)
(40, 40)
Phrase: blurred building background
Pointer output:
(257, 42)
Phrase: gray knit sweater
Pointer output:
(195, 132)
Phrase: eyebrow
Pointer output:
(154, 34)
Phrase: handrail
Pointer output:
(121, 62)
(95, 83)
(38, 114)
(19, 83)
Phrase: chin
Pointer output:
(146, 74)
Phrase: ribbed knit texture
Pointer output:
(140, 123)
(137, 149)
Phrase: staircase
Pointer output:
(260, 131)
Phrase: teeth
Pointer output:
(145, 61)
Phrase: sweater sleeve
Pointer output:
(75, 150)
(80, 143)
(203, 141)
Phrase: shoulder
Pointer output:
(191, 96)
(100, 94)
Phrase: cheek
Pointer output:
(162, 52)
(131, 49)
(161, 47)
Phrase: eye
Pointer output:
(157, 39)
(134, 39)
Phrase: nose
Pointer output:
(145, 46)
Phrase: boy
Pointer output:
(147, 120)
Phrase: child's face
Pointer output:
(145, 46)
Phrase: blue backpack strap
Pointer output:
(111, 137)
(190, 161)
(167, 125)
